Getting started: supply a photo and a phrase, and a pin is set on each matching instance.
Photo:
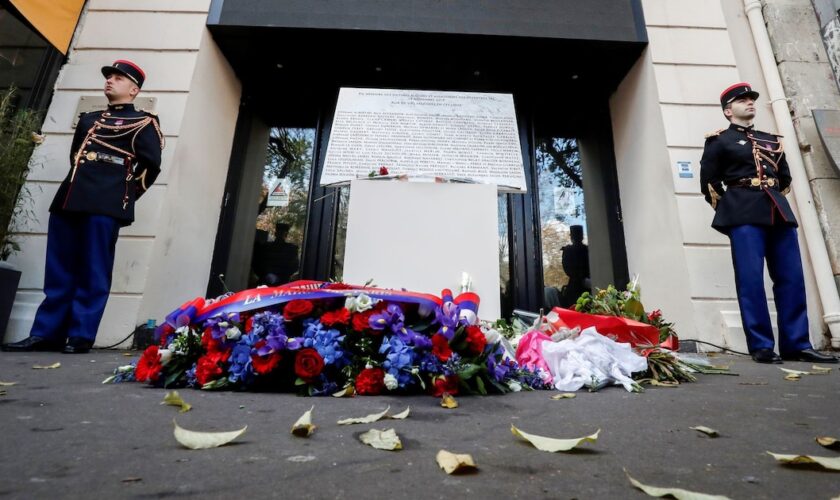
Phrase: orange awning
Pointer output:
(54, 19)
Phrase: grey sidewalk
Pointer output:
(64, 434)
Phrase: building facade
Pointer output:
(613, 100)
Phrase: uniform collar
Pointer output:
(739, 128)
(121, 107)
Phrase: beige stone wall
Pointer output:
(660, 115)
(197, 100)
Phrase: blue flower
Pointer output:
(328, 342)
(399, 358)
(241, 369)
(270, 326)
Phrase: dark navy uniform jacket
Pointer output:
(114, 159)
(734, 161)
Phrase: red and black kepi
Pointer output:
(735, 91)
(127, 68)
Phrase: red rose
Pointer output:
(308, 363)
(445, 385)
(297, 308)
(361, 321)
(207, 368)
(338, 286)
(339, 316)
(265, 364)
(383, 170)
(249, 324)
(371, 381)
(440, 347)
(475, 340)
(149, 368)
(209, 343)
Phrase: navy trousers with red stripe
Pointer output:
(751, 246)
(77, 279)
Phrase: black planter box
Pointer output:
(9, 279)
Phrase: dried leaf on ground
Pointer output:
(452, 463)
(793, 377)
(565, 395)
(794, 372)
(829, 442)
(47, 367)
(820, 370)
(369, 419)
(831, 463)
(553, 445)
(678, 493)
(2, 392)
(347, 392)
(382, 440)
(7, 384)
(196, 440)
(172, 398)
(449, 402)
(304, 427)
(401, 415)
(706, 430)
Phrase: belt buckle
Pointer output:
(771, 182)
(755, 182)
(91, 156)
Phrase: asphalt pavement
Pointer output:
(63, 434)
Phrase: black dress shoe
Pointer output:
(76, 345)
(766, 356)
(33, 344)
(810, 356)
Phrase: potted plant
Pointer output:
(17, 141)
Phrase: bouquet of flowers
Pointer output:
(324, 338)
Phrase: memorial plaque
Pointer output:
(467, 136)
(828, 125)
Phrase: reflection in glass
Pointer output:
(282, 215)
(562, 221)
(340, 233)
(505, 284)
(22, 52)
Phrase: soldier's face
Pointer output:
(119, 88)
(742, 108)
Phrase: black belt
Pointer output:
(97, 156)
(754, 182)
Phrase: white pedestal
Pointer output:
(422, 236)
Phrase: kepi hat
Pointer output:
(736, 91)
(127, 68)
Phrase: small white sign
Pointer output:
(278, 193)
(684, 169)
(468, 136)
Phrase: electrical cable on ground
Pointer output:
(115, 345)
(715, 345)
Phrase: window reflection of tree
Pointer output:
(558, 169)
(288, 156)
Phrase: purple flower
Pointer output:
(270, 326)
(391, 317)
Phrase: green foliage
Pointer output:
(17, 141)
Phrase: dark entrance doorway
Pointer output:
(560, 88)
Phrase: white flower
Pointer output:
(492, 336)
(126, 368)
(363, 303)
(233, 333)
(415, 371)
(165, 355)
(514, 386)
(368, 366)
(182, 330)
(390, 382)
(360, 303)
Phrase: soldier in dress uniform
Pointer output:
(744, 175)
(114, 159)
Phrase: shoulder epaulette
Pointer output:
(715, 133)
